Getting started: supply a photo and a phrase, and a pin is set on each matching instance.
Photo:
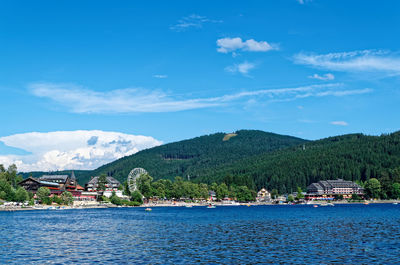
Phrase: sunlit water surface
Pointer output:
(344, 234)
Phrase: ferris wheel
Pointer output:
(133, 176)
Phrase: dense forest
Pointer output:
(259, 159)
(197, 157)
(353, 157)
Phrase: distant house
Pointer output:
(111, 185)
(329, 189)
(212, 196)
(263, 195)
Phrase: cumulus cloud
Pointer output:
(81, 149)
(356, 61)
(226, 45)
(192, 21)
(242, 68)
(339, 123)
(80, 100)
(324, 77)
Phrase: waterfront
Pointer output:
(228, 235)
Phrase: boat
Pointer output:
(315, 206)
(211, 206)
(148, 209)
(331, 204)
(395, 203)
(188, 206)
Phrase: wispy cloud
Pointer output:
(324, 77)
(81, 100)
(72, 149)
(160, 76)
(242, 68)
(226, 45)
(302, 2)
(356, 61)
(192, 21)
(339, 123)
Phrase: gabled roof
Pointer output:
(54, 177)
(29, 178)
(110, 180)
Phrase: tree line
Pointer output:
(180, 189)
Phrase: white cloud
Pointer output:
(226, 45)
(192, 21)
(128, 100)
(242, 68)
(80, 100)
(160, 76)
(72, 149)
(324, 77)
(356, 61)
(339, 123)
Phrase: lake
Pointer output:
(343, 234)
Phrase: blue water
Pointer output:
(344, 234)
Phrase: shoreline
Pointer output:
(179, 204)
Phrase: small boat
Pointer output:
(315, 206)
(395, 203)
(331, 204)
(148, 209)
(188, 206)
(211, 206)
(366, 203)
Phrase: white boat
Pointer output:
(148, 209)
(211, 206)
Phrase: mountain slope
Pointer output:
(197, 157)
(352, 157)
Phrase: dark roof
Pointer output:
(44, 183)
(54, 177)
(29, 178)
(330, 184)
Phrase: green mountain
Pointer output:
(199, 157)
(353, 157)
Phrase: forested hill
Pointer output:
(197, 157)
(352, 157)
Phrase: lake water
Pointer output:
(344, 234)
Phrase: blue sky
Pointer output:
(173, 70)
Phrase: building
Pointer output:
(263, 195)
(329, 189)
(111, 185)
(57, 184)
(32, 185)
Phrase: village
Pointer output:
(106, 191)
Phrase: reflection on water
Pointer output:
(347, 234)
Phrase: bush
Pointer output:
(137, 197)
(115, 200)
(57, 200)
(67, 197)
